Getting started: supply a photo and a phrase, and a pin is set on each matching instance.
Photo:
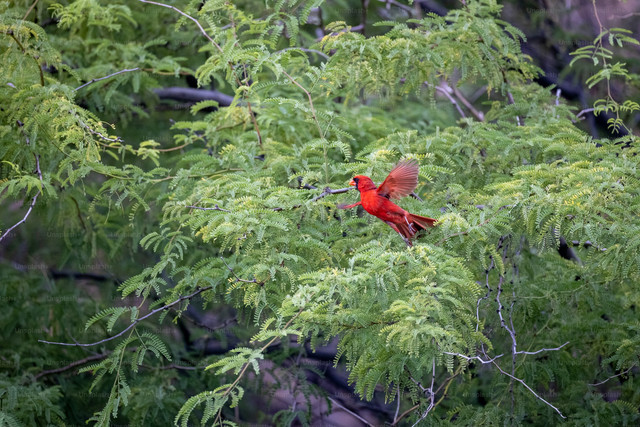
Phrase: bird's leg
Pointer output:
(395, 227)
(411, 227)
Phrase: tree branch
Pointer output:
(214, 208)
(327, 191)
(72, 365)
(542, 349)
(187, 94)
(478, 358)
(106, 77)
(157, 310)
(529, 388)
(238, 279)
(204, 33)
(33, 201)
(304, 49)
(35, 58)
(614, 376)
(349, 411)
(246, 365)
(313, 110)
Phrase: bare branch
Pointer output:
(399, 5)
(511, 101)
(484, 297)
(349, 411)
(614, 376)
(478, 358)
(431, 394)
(246, 365)
(395, 417)
(478, 114)
(313, 110)
(214, 208)
(157, 310)
(327, 191)
(542, 349)
(72, 365)
(30, 9)
(585, 111)
(35, 58)
(33, 201)
(528, 388)
(95, 132)
(204, 33)
(236, 276)
(304, 49)
(106, 77)
(446, 91)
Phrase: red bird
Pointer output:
(400, 182)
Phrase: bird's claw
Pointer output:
(411, 227)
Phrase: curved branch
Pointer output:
(132, 324)
(33, 201)
(204, 33)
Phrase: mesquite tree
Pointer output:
(172, 251)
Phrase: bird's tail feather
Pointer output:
(423, 222)
(414, 224)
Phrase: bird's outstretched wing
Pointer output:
(401, 181)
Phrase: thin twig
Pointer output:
(313, 110)
(542, 349)
(528, 388)
(432, 395)
(585, 111)
(72, 365)
(445, 90)
(157, 310)
(204, 33)
(238, 279)
(350, 412)
(255, 123)
(33, 201)
(478, 114)
(106, 77)
(511, 101)
(246, 365)
(614, 376)
(327, 191)
(12, 35)
(399, 5)
(484, 297)
(214, 208)
(395, 417)
(30, 9)
(304, 49)
(95, 132)
(478, 358)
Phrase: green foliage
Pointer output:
(235, 215)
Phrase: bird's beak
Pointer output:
(352, 182)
